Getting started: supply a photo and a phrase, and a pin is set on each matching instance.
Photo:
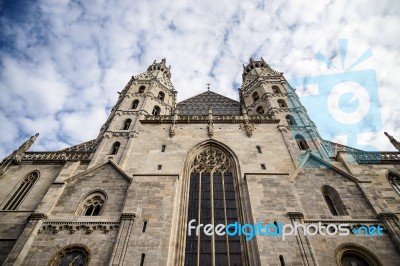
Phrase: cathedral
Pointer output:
(205, 181)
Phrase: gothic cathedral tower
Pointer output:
(163, 181)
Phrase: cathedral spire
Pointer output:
(395, 143)
(17, 155)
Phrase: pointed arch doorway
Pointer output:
(213, 198)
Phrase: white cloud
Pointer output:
(63, 61)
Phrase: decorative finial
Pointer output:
(395, 143)
(251, 59)
(208, 86)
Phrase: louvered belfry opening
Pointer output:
(212, 200)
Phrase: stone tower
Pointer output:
(158, 170)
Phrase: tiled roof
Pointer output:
(85, 146)
(199, 104)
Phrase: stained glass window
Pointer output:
(212, 200)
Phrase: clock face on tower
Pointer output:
(73, 258)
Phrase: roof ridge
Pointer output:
(208, 92)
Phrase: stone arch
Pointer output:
(356, 250)
(78, 250)
(97, 194)
(243, 208)
(333, 200)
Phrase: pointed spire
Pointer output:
(17, 155)
(395, 143)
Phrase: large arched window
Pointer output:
(20, 193)
(156, 110)
(135, 104)
(255, 96)
(212, 200)
(93, 204)
(301, 142)
(161, 96)
(333, 201)
(76, 254)
(394, 180)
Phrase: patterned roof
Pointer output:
(85, 146)
(199, 104)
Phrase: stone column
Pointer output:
(391, 223)
(124, 234)
(307, 253)
(24, 242)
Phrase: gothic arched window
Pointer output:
(301, 142)
(20, 193)
(255, 96)
(135, 104)
(141, 89)
(76, 254)
(127, 124)
(115, 148)
(333, 200)
(260, 110)
(212, 200)
(394, 180)
(290, 120)
(93, 204)
(156, 110)
(276, 89)
(161, 96)
(282, 103)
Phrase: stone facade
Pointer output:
(125, 198)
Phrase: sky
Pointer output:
(63, 62)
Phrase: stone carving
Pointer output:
(82, 227)
(211, 160)
(17, 155)
(395, 143)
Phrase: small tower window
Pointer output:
(135, 104)
(260, 110)
(127, 124)
(115, 148)
(301, 142)
(263, 166)
(282, 103)
(142, 259)
(156, 110)
(141, 89)
(163, 148)
(161, 96)
(290, 120)
(282, 260)
(276, 89)
(23, 189)
(259, 149)
(255, 96)
(93, 204)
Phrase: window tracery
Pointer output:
(19, 195)
(93, 204)
(212, 200)
(77, 255)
